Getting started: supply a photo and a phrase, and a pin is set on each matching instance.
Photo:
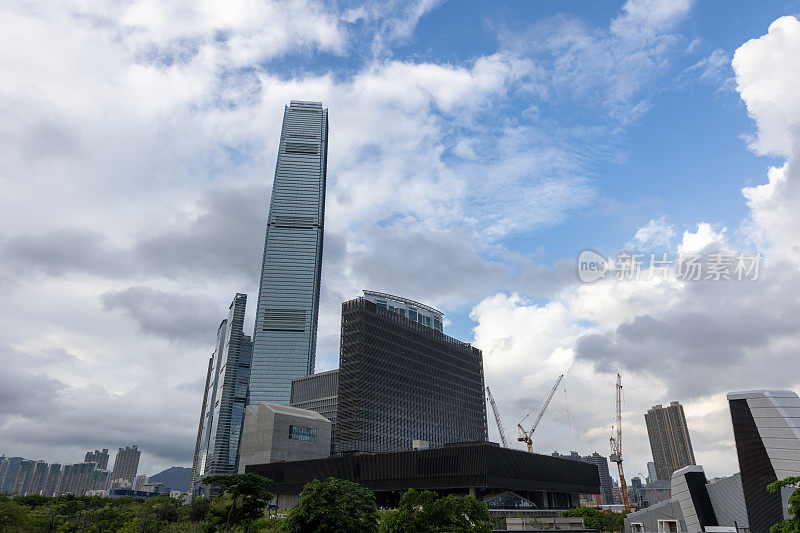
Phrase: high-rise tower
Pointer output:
(669, 439)
(126, 464)
(217, 446)
(285, 336)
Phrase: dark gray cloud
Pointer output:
(171, 315)
(44, 417)
(224, 240)
(433, 266)
(721, 333)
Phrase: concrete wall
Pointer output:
(265, 435)
(648, 518)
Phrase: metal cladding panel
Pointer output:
(763, 508)
(452, 467)
(400, 381)
(284, 340)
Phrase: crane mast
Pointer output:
(527, 436)
(496, 412)
(616, 444)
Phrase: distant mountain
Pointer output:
(176, 478)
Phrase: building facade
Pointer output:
(278, 433)
(766, 429)
(414, 311)
(669, 439)
(8, 469)
(401, 381)
(601, 462)
(317, 392)
(51, 481)
(78, 478)
(225, 397)
(285, 335)
(501, 477)
(22, 477)
(126, 464)
(100, 458)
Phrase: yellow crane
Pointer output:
(616, 445)
(527, 436)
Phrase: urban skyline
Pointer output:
(467, 174)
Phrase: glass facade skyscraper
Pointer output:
(225, 397)
(285, 335)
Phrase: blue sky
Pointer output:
(475, 149)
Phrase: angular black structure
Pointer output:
(482, 469)
(401, 381)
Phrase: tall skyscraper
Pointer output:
(225, 397)
(669, 439)
(100, 458)
(126, 464)
(285, 335)
(401, 381)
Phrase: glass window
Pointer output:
(402, 312)
(303, 433)
(381, 303)
(428, 321)
(412, 314)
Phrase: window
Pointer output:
(428, 321)
(412, 314)
(381, 303)
(402, 312)
(667, 526)
(303, 433)
(637, 527)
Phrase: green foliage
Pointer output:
(790, 525)
(333, 505)
(597, 519)
(423, 512)
(12, 514)
(243, 498)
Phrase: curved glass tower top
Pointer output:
(285, 335)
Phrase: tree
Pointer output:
(790, 525)
(597, 519)
(423, 512)
(245, 496)
(12, 514)
(333, 505)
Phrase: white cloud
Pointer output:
(671, 339)
(656, 233)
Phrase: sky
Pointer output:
(476, 149)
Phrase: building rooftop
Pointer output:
(407, 301)
(288, 410)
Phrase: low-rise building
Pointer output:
(275, 433)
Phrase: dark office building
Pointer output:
(503, 478)
(317, 392)
(400, 381)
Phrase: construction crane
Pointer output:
(496, 412)
(616, 445)
(527, 436)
